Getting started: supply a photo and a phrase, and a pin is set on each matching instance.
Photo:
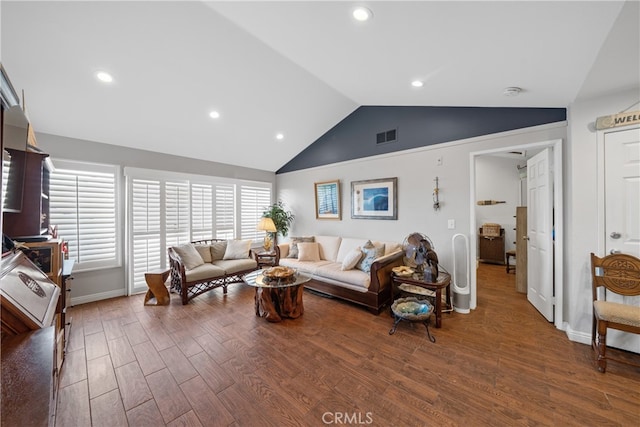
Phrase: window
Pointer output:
(168, 209)
(83, 205)
(253, 201)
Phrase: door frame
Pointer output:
(558, 215)
(600, 185)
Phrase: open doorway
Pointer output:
(476, 219)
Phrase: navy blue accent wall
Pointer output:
(355, 136)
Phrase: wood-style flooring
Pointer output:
(214, 363)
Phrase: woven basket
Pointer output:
(492, 230)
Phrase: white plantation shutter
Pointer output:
(167, 209)
(253, 201)
(82, 203)
(225, 211)
(177, 213)
(201, 211)
(145, 216)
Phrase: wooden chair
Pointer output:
(618, 274)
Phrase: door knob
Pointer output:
(614, 251)
(525, 237)
(615, 235)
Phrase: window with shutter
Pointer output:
(83, 206)
(201, 211)
(253, 201)
(145, 219)
(225, 211)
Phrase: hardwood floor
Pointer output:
(214, 363)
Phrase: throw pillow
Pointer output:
(237, 249)
(189, 255)
(308, 251)
(352, 259)
(371, 253)
(293, 245)
(204, 252)
(218, 249)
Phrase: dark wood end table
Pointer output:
(266, 259)
(416, 279)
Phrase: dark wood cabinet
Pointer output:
(33, 219)
(491, 248)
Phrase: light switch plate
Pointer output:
(451, 224)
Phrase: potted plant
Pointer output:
(281, 218)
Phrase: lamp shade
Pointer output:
(266, 224)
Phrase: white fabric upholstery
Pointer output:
(347, 245)
(237, 249)
(189, 255)
(329, 246)
(204, 271)
(204, 251)
(389, 247)
(308, 251)
(231, 266)
(354, 277)
(352, 259)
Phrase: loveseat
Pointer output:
(353, 269)
(203, 265)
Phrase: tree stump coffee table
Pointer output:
(277, 299)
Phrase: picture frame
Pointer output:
(374, 199)
(327, 196)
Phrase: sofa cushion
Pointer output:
(237, 249)
(352, 259)
(189, 255)
(303, 266)
(231, 266)
(308, 251)
(356, 278)
(371, 253)
(329, 246)
(293, 245)
(204, 271)
(347, 245)
(218, 249)
(389, 247)
(204, 251)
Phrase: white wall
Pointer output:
(107, 283)
(583, 226)
(497, 178)
(416, 171)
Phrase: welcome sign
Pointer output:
(616, 120)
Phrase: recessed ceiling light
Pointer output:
(512, 91)
(417, 83)
(362, 14)
(214, 115)
(104, 77)
(279, 136)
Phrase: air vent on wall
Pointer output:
(387, 136)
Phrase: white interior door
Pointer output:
(622, 212)
(622, 191)
(540, 233)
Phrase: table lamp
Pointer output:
(266, 224)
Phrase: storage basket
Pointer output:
(492, 230)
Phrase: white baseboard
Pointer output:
(578, 336)
(97, 297)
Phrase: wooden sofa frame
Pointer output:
(189, 290)
(377, 296)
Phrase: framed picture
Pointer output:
(375, 199)
(328, 200)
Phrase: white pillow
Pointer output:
(351, 259)
(205, 252)
(308, 251)
(237, 249)
(189, 255)
(218, 249)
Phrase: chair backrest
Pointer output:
(619, 273)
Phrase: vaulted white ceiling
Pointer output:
(298, 68)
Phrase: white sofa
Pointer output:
(329, 276)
